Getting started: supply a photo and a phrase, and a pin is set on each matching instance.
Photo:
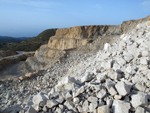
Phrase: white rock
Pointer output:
(116, 66)
(87, 77)
(120, 106)
(78, 91)
(122, 88)
(113, 75)
(109, 102)
(103, 109)
(129, 69)
(85, 106)
(39, 98)
(117, 97)
(68, 96)
(76, 100)
(121, 61)
(58, 110)
(92, 99)
(145, 53)
(112, 91)
(101, 93)
(140, 110)
(70, 106)
(60, 99)
(101, 77)
(51, 103)
(92, 106)
(144, 60)
(128, 57)
(140, 99)
(107, 47)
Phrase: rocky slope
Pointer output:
(79, 39)
(114, 80)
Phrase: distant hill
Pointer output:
(31, 44)
(5, 39)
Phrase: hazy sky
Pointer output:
(20, 18)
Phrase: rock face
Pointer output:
(78, 39)
(123, 87)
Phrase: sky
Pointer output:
(28, 18)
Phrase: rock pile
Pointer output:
(116, 80)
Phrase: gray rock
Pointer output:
(120, 106)
(31, 110)
(101, 77)
(13, 109)
(122, 88)
(140, 99)
(113, 75)
(101, 93)
(103, 109)
(51, 103)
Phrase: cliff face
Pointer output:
(79, 38)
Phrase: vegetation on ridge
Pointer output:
(29, 44)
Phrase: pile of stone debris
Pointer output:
(116, 80)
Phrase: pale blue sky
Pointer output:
(20, 18)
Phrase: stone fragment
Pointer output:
(39, 98)
(79, 109)
(31, 110)
(123, 88)
(112, 91)
(113, 75)
(107, 47)
(76, 100)
(129, 69)
(68, 96)
(51, 103)
(92, 106)
(101, 77)
(59, 110)
(144, 60)
(85, 106)
(145, 53)
(140, 99)
(140, 110)
(101, 93)
(128, 57)
(140, 86)
(109, 102)
(87, 77)
(103, 109)
(78, 91)
(66, 83)
(120, 106)
(92, 99)
(70, 106)
(117, 97)
(60, 99)
(121, 61)
(116, 66)
(13, 109)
